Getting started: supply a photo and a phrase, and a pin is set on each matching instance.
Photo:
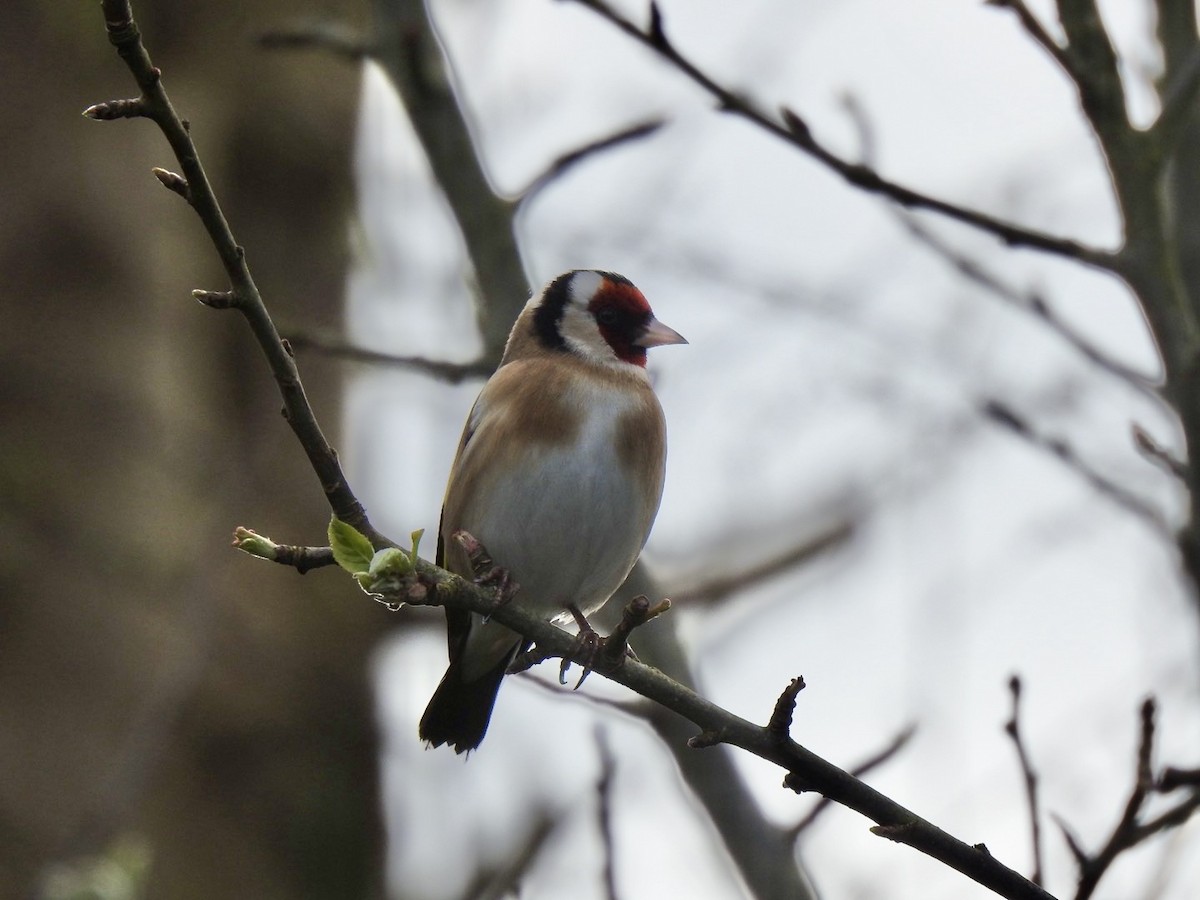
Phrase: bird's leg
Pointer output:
(486, 573)
(614, 649)
(588, 642)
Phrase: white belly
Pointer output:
(565, 521)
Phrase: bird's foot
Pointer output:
(613, 650)
(486, 573)
(589, 643)
(498, 579)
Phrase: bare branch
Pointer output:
(1013, 729)
(1034, 28)
(894, 746)
(568, 161)
(717, 725)
(503, 882)
(608, 771)
(243, 295)
(637, 613)
(1031, 303)
(1005, 416)
(302, 559)
(726, 582)
(1157, 453)
(1126, 834)
(1173, 778)
(780, 724)
(409, 51)
(328, 344)
(792, 129)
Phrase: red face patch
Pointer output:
(621, 313)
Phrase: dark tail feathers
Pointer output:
(459, 712)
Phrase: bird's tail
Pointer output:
(459, 712)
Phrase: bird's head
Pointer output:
(599, 316)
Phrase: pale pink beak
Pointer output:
(656, 334)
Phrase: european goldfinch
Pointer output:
(559, 474)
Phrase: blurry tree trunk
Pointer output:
(152, 681)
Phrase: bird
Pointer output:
(559, 474)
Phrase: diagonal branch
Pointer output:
(795, 131)
(1034, 28)
(1029, 302)
(806, 771)
(874, 761)
(243, 295)
(568, 161)
(726, 582)
(1006, 417)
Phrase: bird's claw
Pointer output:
(589, 643)
(498, 579)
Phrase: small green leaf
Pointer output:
(416, 542)
(351, 549)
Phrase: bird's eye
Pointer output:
(607, 316)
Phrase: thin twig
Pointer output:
(973, 270)
(1157, 453)
(1034, 28)
(568, 161)
(780, 723)
(498, 884)
(604, 789)
(339, 348)
(1031, 303)
(1004, 415)
(1013, 729)
(724, 583)
(795, 131)
(637, 613)
(1127, 832)
(636, 706)
(304, 559)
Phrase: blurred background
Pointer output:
(179, 720)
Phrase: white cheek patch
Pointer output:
(579, 332)
(584, 285)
